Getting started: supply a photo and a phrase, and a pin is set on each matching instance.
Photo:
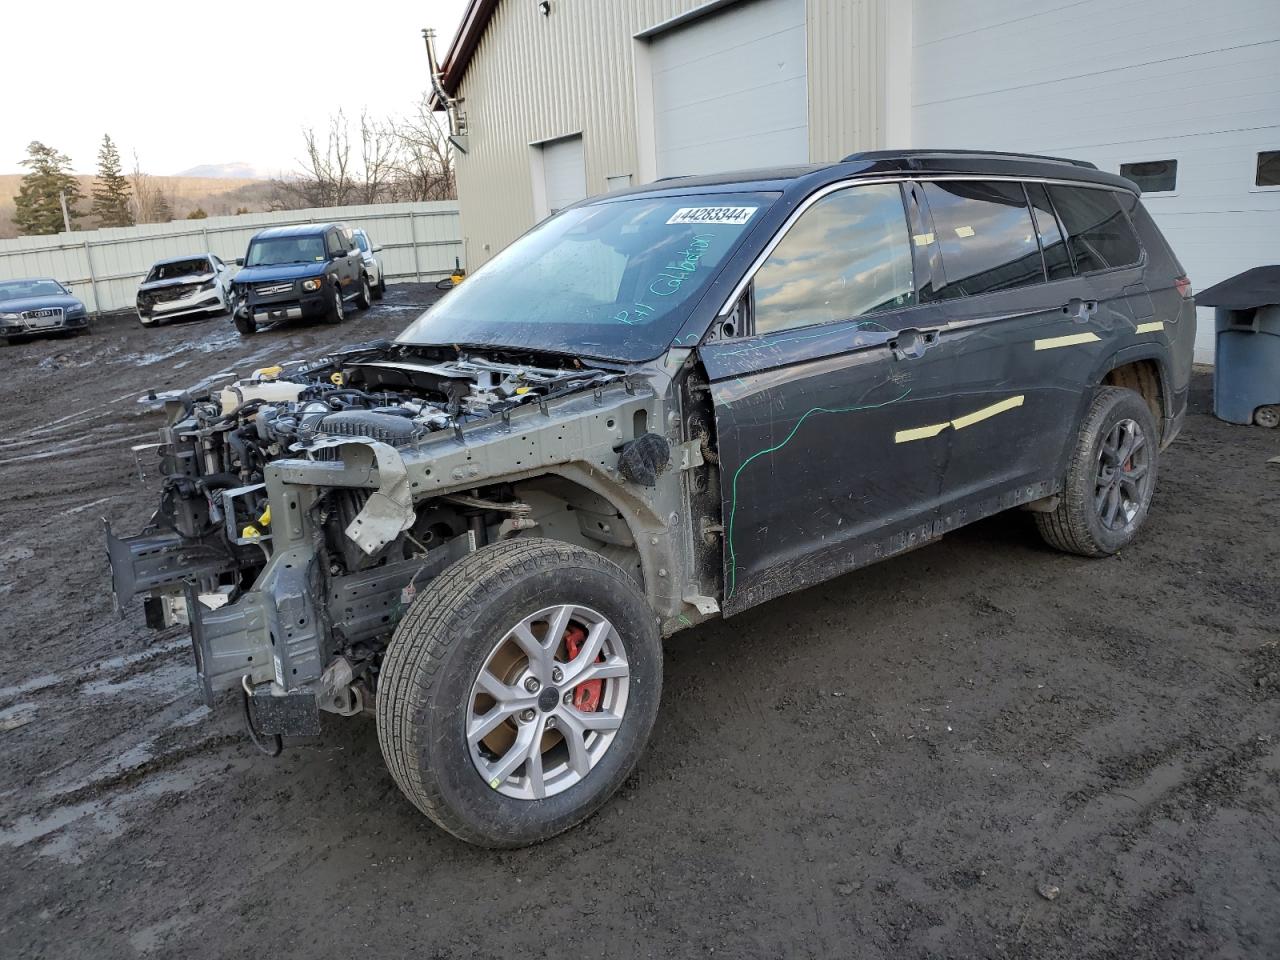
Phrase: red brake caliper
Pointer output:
(586, 696)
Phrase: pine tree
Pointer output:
(161, 212)
(111, 189)
(38, 207)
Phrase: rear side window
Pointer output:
(1100, 235)
(1057, 262)
(986, 237)
(847, 256)
(335, 243)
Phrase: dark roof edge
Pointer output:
(463, 48)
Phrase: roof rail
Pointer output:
(922, 154)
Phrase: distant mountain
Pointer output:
(238, 170)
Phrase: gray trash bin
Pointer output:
(1246, 373)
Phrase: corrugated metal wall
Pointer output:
(104, 267)
(536, 78)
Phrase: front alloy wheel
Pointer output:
(519, 690)
(548, 702)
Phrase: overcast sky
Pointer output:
(194, 83)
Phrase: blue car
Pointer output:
(32, 307)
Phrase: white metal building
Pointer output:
(568, 98)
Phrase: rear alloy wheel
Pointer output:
(1268, 416)
(1111, 478)
(366, 297)
(519, 691)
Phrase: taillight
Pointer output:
(1183, 286)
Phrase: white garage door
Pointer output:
(1116, 84)
(564, 171)
(730, 90)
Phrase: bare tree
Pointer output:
(379, 155)
(325, 178)
(407, 159)
(145, 193)
(425, 170)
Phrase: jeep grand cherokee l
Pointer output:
(300, 272)
(657, 407)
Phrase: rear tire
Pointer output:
(246, 325)
(1110, 479)
(430, 705)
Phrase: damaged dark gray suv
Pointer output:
(658, 407)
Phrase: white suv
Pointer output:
(373, 266)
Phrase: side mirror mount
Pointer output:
(377, 249)
(239, 261)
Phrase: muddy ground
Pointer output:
(889, 765)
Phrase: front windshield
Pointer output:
(276, 250)
(181, 268)
(21, 289)
(613, 280)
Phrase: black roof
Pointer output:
(295, 230)
(881, 162)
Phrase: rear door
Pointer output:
(1036, 299)
(818, 405)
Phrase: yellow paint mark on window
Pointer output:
(1070, 340)
(919, 433)
(1151, 326)
(969, 419)
(965, 231)
(923, 239)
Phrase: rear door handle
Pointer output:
(911, 344)
(1081, 311)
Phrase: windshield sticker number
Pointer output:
(735, 216)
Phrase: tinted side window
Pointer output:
(334, 243)
(1057, 262)
(985, 235)
(1100, 234)
(361, 242)
(847, 256)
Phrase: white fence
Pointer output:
(103, 268)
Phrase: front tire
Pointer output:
(1110, 480)
(246, 325)
(519, 691)
(380, 290)
(337, 310)
(365, 297)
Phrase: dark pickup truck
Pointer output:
(305, 271)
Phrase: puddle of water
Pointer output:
(19, 715)
(152, 938)
(69, 834)
(30, 686)
(166, 680)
